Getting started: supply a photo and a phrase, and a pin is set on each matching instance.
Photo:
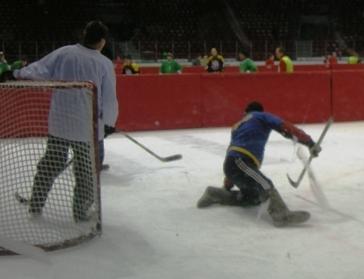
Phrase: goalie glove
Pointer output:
(314, 149)
(108, 130)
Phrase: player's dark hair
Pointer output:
(93, 33)
(254, 106)
(281, 49)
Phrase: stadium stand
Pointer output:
(187, 28)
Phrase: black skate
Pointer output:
(280, 213)
(217, 195)
(290, 218)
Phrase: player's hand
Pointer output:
(108, 130)
(315, 150)
(228, 184)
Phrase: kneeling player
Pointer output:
(241, 167)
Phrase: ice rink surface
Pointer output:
(152, 228)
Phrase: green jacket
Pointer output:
(16, 65)
(248, 66)
(353, 60)
(170, 67)
(4, 67)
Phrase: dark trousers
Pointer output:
(51, 166)
(254, 186)
(101, 152)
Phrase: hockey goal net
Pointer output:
(49, 179)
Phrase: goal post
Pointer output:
(49, 163)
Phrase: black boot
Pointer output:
(217, 195)
(280, 213)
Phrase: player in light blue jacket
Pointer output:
(69, 115)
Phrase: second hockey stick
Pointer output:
(307, 164)
(163, 159)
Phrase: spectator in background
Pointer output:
(247, 65)
(285, 63)
(204, 61)
(2, 58)
(330, 59)
(7, 69)
(332, 47)
(170, 66)
(201, 60)
(215, 62)
(269, 63)
(129, 67)
(4, 66)
(197, 61)
(18, 64)
(353, 56)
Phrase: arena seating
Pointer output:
(188, 28)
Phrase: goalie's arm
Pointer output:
(290, 131)
(286, 129)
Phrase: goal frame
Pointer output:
(52, 85)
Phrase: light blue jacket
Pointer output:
(70, 114)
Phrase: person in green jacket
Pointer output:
(247, 65)
(170, 66)
(285, 63)
(4, 66)
(18, 64)
(353, 56)
(7, 69)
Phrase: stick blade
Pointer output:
(172, 158)
(20, 198)
(293, 183)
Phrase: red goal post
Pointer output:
(49, 158)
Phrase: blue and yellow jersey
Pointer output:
(250, 135)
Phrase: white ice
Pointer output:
(152, 228)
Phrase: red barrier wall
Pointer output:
(155, 102)
(24, 112)
(299, 98)
(235, 69)
(348, 67)
(150, 102)
(348, 95)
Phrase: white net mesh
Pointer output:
(49, 186)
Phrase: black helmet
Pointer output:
(254, 106)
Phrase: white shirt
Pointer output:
(69, 116)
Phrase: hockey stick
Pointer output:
(163, 159)
(21, 199)
(318, 143)
(314, 184)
